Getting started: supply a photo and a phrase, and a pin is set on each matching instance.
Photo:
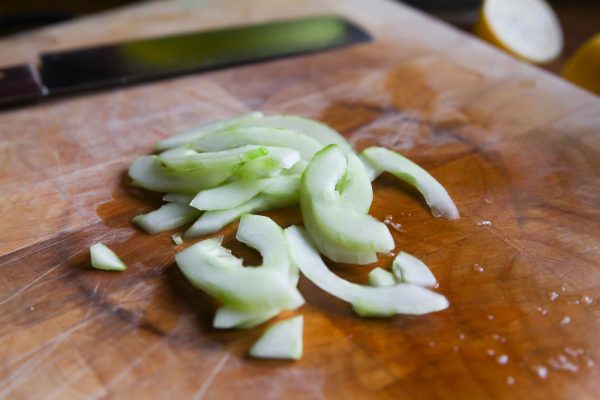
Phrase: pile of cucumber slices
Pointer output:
(227, 171)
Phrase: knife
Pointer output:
(65, 72)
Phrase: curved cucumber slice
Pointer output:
(438, 199)
(318, 131)
(195, 133)
(227, 318)
(229, 195)
(380, 277)
(213, 221)
(149, 173)
(213, 269)
(358, 191)
(326, 215)
(188, 159)
(104, 258)
(282, 340)
(167, 217)
(231, 138)
(184, 199)
(410, 269)
(403, 298)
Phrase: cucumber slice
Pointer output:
(358, 191)
(104, 258)
(227, 318)
(213, 221)
(283, 185)
(184, 199)
(229, 195)
(410, 269)
(177, 240)
(195, 133)
(213, 269)
(403, 298)
(318, 131)
(149, 173)
(438, 199)
(282, 340)
(380, 277)
(187, 159)
(326, 215)
(296, 169)
(231, 138)
(167, 217)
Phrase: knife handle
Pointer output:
(20, 84)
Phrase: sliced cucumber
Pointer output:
(195, 133)
(357, 192)
(231, 138)
(438, 199)
(149, 173)
(403, 298)
(283, 185)
(167, 217)
(282, 340)
(380, 277)
(229, 195)
(177, 240)
(184, 199)
(213, 221)
(213, 269)
(104, 258)
(318, 131)
(410, 269)
(227, 318)
(187, 159)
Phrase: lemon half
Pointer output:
(583, 68)
(527, 29)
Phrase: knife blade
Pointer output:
(116, 64)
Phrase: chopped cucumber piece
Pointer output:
(296, 169)
(149, 173)
(213, 269)
(185, 199)
(188, 159)
(231, 138)
(229, 195)
(380, 277)
(213, 221)
(104, 258)
(403, 298)
(167, 217)
(195, 133)
(358, 191)
(410, 269)
(282, 340)
(438, 199)
(318, 131)
(283, 185)
(227, 318)
(327, 216)
(177, 239)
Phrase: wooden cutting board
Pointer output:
(514, 146)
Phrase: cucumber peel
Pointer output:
(282, 340)
(104, 258)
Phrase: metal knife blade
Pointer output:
(155, 58)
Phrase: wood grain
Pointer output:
(513, 145)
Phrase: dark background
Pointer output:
(580, 19)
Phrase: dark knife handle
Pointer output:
(20, 84)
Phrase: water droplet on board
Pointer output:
(484, 223)
(431, 343)
(542, 310)
(389, 220)
(587, 300)
(510, 380)
(490, 352)
(574, 352)
(502, 359)
(553, 296)
(540, 371)
(490, 317)
(478, 268)
(455, 348)
(31, 308)
(565, 321)
(487, 200)
(461, 336)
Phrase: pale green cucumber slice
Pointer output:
(324, 211)
(104, 258)
(213, 221)
(227, 318)
(438, 199)
(403, 298)
(272, 164)
(296, 169)
(318, 131)
(358, 191)
(229, 195)
(282, 340)
(178, 198)
(149, 173)
(177, 240)
(410, 269)
(167, 217)
(283, 185)
(188, 159)
(231, 138)
(380, 277)
(213, 269)
(195, 133)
